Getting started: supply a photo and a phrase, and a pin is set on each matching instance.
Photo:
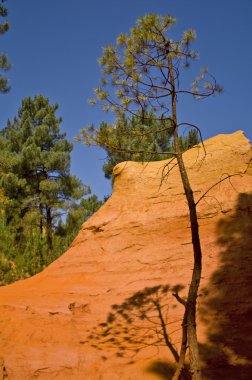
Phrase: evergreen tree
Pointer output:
(4, 63)
(76, 216)
(132, 141)
(39, 184)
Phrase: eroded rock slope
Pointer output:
(96, 313)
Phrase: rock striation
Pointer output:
(99, 311)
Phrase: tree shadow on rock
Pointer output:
(227, 309)
(140, 322)
(162, 369)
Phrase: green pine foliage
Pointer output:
(130, 140)
(4, 63)
(76, 216)
(19, 260)
(39, 182)
(37, 190)
(140, 138)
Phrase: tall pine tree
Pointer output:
(39, 183)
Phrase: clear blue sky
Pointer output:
(54, 46)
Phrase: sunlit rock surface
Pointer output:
(61, 323)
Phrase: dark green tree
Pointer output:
(145, 70)
(4, 63)
(130, 142)
(133, 142)
(38, 184)
(76, 216)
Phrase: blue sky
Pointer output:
(54, 46)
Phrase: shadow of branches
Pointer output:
(227, 310)
(140, 322)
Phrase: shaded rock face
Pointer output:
(105, 309)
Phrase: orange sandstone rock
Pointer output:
(61, 323)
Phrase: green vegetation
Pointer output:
(4, 63)
(130, 140)
(37, 189)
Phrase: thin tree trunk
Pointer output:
(41, 219)
(190, 311)
(182, 355)
(41, 215)
(49, 230)
(195, 281)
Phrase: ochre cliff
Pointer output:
(61, 323)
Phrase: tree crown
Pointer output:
(138, 69)
(142, 79)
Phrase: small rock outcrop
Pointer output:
(99, 311)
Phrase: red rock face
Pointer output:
(99, 311)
